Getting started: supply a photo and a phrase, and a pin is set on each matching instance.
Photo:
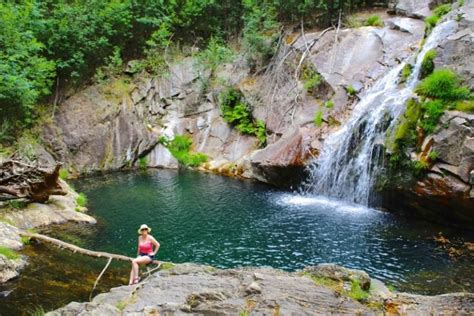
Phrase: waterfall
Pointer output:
(352, 156)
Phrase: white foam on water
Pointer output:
(321, 202)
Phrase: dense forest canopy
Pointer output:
(48, 44)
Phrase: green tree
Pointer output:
(25, 75)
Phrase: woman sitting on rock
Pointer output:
(145, 252)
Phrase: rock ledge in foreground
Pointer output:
(202, 290)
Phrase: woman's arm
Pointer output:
(156, 244)
(138, 246)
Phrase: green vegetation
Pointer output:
(236, 111)
(9, 253)
(56, 46)
(17, 204)
(440, 91)
(318, 118)
(142, 163)
(25, 240)
(121, 305)
(166, 266)
(63, 174)
(374, 20)
(351, 91)
(311, 78)
(180, 148)
(433, 155)
(39, 311)
(329, 104)
(438, 13)
(215, 54)
(433, 110)
(406, 72)
(81, 200)
(356, 292)
(465, 106)
(427, 65)
(443, 84)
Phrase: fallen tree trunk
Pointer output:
(74, 248)
(21, 180)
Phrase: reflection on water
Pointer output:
(227, 223)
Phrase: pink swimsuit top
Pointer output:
(146, 247)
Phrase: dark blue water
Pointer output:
(227, 223)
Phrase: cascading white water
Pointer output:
(349, 163)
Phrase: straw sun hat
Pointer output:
(144, 226)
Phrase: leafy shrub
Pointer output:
(351, 91)
(318, 118)
(261, 133)
(443, 84)
(9, 253)
(433, 155)
(406, 72)
(26, 75)
(420, 165)
(113, 68)
(312, 79)
(81, 200)
(238, 113)
(433, 110)
(63, 174)
(329, 104)
(374, 20)
(442, 10)
(142, 163)
(260, 30)
(438, 13)
(356, 292)
(180, 148)
(431, 21)
(215, 54)
(427, 65)
(404, 133)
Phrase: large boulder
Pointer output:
(456, 51)
(283, 163)
(418, 9)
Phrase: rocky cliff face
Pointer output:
(111, 126)
(107, 127)
(203, 290)
(446, 191)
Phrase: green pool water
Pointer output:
(227, 223)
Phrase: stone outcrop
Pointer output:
(418, 9)
(446, 192)
(203, 290)
(111, 126)
(456, 51)
(59, 209)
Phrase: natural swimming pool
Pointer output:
(225, 222)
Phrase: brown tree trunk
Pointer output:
(23, 180)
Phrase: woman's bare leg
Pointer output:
(135, 266)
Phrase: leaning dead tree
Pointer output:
(98, 254)
(23, 180)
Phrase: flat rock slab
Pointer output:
(202, 290)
